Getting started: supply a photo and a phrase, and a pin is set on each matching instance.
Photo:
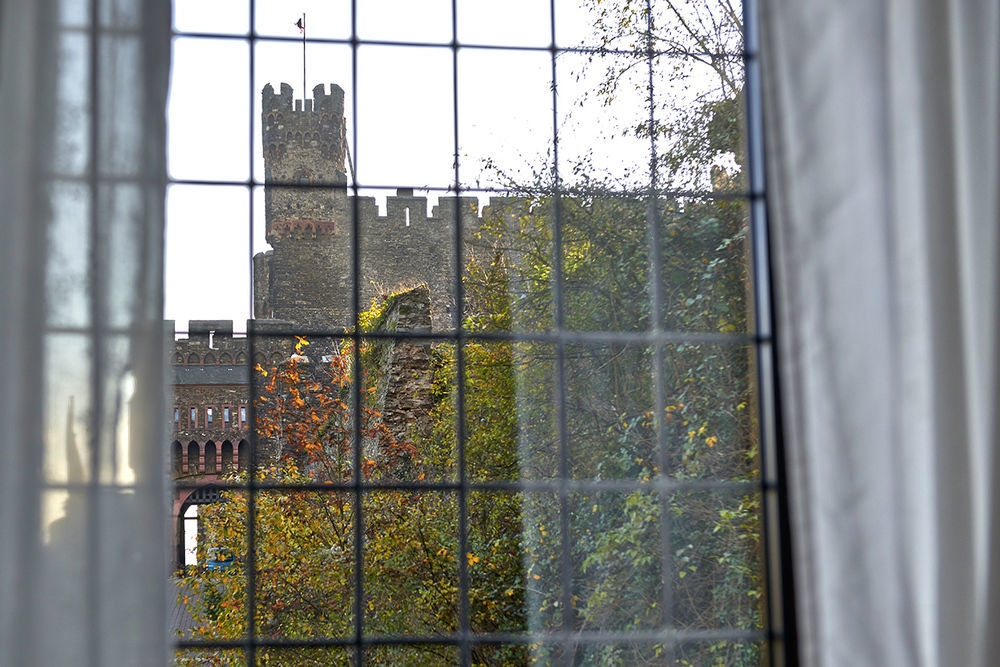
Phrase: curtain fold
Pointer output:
(82, 404)
(881, 123)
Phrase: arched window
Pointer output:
(194, 359)
(243, 453)
(209, 457)
(225, 359)
(209, 359)
(194, 454)
(188, 528)
(178, 458)
(241, 359)
(178, 359)
(227, 456)
(189, 535)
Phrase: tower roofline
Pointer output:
(321, 100)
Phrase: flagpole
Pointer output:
(303, 61)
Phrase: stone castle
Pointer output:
(304, 285)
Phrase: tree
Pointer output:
(536, 407)
(304, 540)
(594, 405)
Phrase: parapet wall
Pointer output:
(308, 276)
(212, 343)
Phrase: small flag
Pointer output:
(300, 26)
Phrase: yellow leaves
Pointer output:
(259, 369)
(711, 441)
(472, 559)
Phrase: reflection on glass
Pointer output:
(491, 406)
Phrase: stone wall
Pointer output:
(307, 276)
(402, 367)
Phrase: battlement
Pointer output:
(322, 102)
(304, 157)
(316, 124)
(212, 343)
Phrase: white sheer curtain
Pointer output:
(882, 120)
(82, 499)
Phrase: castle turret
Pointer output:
(305, 199)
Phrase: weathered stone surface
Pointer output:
(404, 392)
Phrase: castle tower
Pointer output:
(302, 279)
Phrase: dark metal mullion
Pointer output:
(565, 549)
(464, 621)
(357, 486)
(509, 638)
(780, 607)
(590, 50)
(97, 360)
(326, 185)
(251, 486)
(583, 337)
(656, 326)
(583, 485)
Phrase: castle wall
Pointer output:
(406, 247)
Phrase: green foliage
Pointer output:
(601, 394)
(627, 262)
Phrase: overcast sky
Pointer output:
(404, 122)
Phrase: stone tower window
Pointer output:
(178, 456)
(193, 458)
(209, 457)
(227, 456)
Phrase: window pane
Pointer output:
(483, 384)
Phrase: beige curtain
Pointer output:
(82, 498)
(882, 120)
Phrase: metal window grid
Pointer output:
(779, 631)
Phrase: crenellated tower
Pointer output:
(307, 277)
(305, 198)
